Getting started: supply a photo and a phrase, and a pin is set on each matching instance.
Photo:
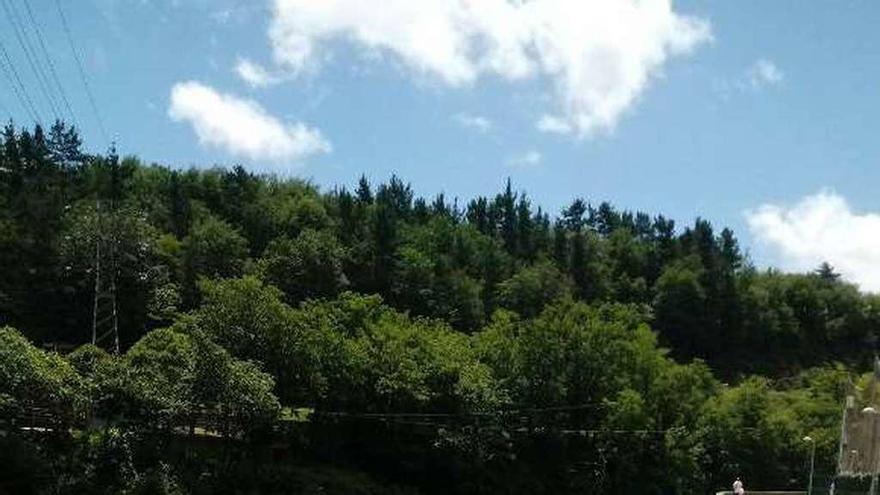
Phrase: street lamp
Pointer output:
(812, 463)
(873, 412)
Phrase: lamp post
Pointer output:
(812, 462)
(873, 412)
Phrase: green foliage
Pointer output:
(351, 352)
(243, 315)
(161, 372)
(528, 346)
(572, 353)
(212, 249)
(171, 374)
(30, 377)
(533, 287)
(88, 359)
(757, 429)
(158, 481)
(808, 316)
(107, 381)
(680, 304)
(418, 365)
(140, 273)
(438, 271)
(306, 267)
(430, 258)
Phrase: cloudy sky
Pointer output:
(757, 115)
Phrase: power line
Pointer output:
(49, 61)
(82, 72)
(436, 420)
(45, 83)
(501, 412)
(17, 87)
(24, 41)
(15, 81)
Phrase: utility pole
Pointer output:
(873, 412)
(105, 317)
(812, 443)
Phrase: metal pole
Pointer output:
(872, 458)
(873, 412)
(812, 468)
(97, 272)
(873, 452)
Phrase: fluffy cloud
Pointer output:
(548, 123)
(529, 159)
(599, 55)
(254, 74)
(474, 122)
(764, 73)
(820, 228)
(242, 127)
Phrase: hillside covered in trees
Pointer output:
(397, 344)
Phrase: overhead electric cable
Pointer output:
(19, 88)
(49, 61)
(42, 77)
(29, 53)
(82, 72)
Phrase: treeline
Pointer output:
(579, 396)
(436, 258)
(250, 296)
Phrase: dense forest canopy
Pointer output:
(597, 347)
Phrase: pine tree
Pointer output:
(478, 214)
(180, 214)
(826, 272)
(506, 204)
(64, 144)
(606, 219)
(525, 229)
(578, 265)
(364, 194)
(730, 253)
(560, 245)
(439, 206)
(573, 216)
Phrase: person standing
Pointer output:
(738, 488)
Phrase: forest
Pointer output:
(257, 334)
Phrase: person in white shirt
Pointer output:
(738, 487)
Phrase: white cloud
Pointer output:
(764, 73)
(821, 227)
(242, 127)
(761, 74)
(529, 159)
(474, 122)
(598, 55)
(549, 123)
(254, 74)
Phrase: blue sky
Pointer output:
(757, 115)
